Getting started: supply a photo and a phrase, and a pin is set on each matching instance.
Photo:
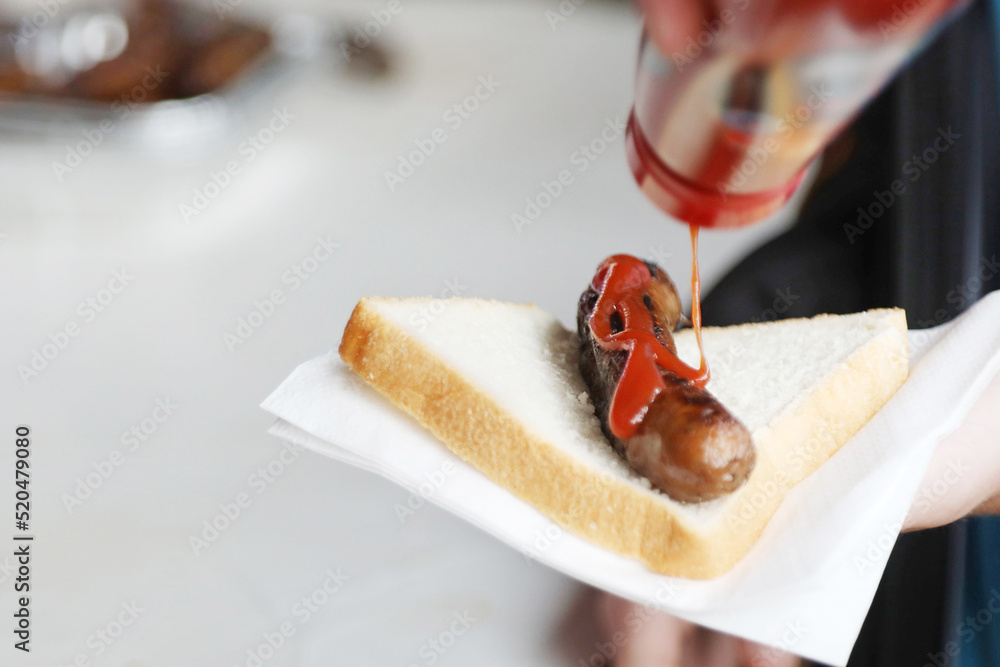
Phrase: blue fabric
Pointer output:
(994, 7)
(979, 642)
(978, 636)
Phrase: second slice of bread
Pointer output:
(498, 384)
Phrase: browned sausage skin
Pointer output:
(687, 444)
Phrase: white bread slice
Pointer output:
(498, 383)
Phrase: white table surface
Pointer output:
(162, 338)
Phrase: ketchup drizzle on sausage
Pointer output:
(703, 370)
(621, 282)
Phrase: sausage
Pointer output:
(218, 61)
(687, 444)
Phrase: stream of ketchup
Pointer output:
(621, 282)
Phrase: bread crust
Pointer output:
(604, 508)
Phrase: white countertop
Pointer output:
(161, 337)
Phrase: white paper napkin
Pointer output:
(804, 587)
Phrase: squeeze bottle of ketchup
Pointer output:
(734, 98)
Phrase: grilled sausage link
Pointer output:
(687, 444)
